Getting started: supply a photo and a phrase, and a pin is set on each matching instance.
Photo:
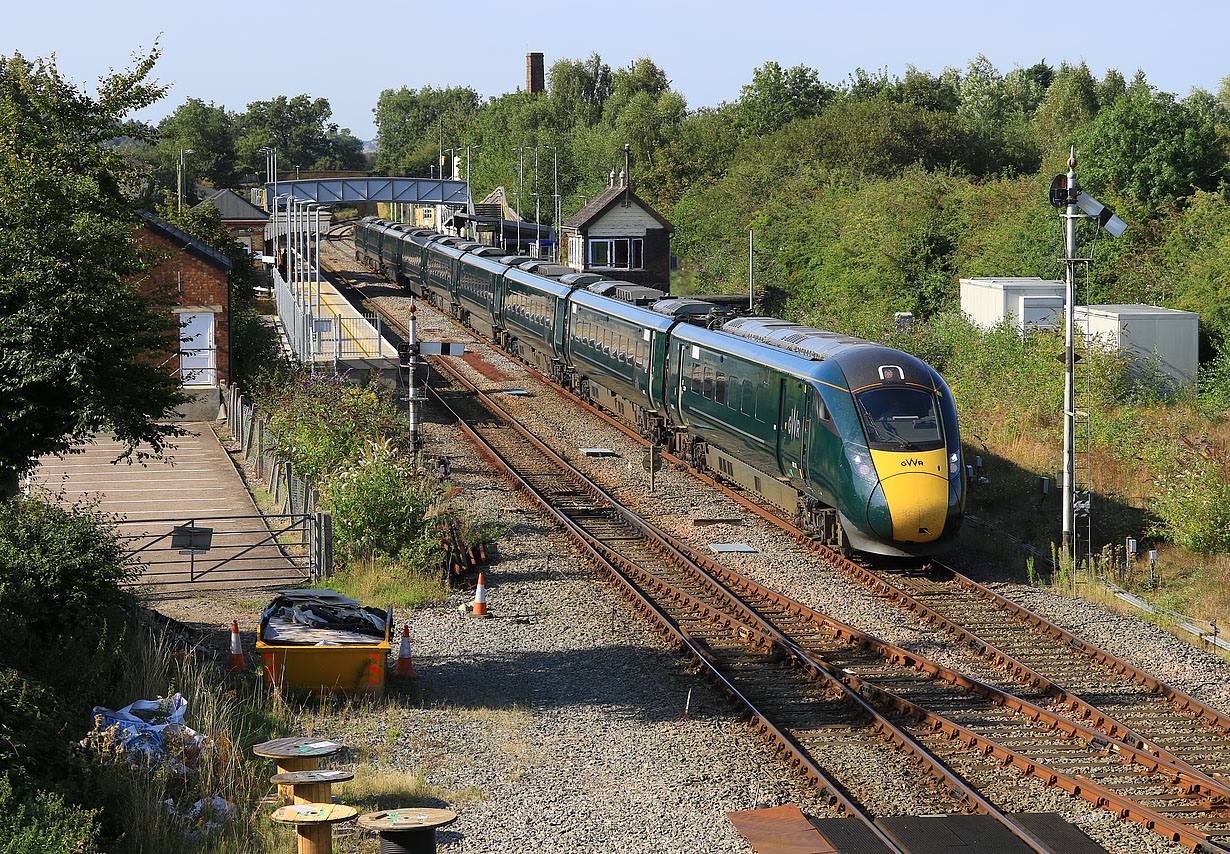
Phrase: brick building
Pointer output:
(198, 279)
(620, 236)
(244, 220)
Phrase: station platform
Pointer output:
(323, 328)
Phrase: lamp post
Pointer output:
(555, 196)
(292, 246)
(520, 149)
(277, 235)
(536, 206)
(268, 152)
(179, 175)
(317, 207)
(469, 197)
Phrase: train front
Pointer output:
(905, 464)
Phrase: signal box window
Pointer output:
(617, 253)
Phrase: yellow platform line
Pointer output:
(329, 300)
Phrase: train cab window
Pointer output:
(720, 388)
(708, 392)
(822, 411)
(898, 418)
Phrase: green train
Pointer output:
(857, 441)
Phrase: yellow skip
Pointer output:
(915, 486)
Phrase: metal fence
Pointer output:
(269, 547)
(256, 441)
(318, 336)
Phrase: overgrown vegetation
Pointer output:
(74, 639)
(390, 514)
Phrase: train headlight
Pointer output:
(954, 463)
(860, 463)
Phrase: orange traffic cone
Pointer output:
(236, 665)
(479, 608)
(405, 667)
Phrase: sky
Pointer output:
(232, 53)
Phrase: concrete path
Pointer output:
(196, 485)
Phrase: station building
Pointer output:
(245, 221)
(197, 279)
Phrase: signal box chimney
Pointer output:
(535, 80)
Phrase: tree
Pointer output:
(1150, 147)
(1206, 107)
(984, 110)
(776, 97)
(1070, 103)
(299, 128)
(578, 90)
(209, 131)
(640, 75)
(78, 340)
(412, 124)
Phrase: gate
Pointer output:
(258, 549)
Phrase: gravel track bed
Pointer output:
(559, 723)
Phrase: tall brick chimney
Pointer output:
(535, 80)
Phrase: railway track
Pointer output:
(870, 766)
(820, 671)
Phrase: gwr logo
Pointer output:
(911, 463)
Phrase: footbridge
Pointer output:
(335, 191)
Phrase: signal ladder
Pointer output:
(1082, 432)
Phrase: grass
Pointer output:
(233, 713)
(1126, 487)
(374, 580)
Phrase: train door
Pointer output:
(793, 428)
(679, 386)
(640, 348)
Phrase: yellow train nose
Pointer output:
(915, 490)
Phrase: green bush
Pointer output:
(380, 505)
(1193, 505)
(44, 824)
(324, 424)
(33, 747)
(60, 570)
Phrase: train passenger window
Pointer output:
(748, 406)
(720, 391)
(606, 342)
(640, 353)
(696, 378)
(708, 392)
(732, 392)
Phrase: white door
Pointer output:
(198, 356)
